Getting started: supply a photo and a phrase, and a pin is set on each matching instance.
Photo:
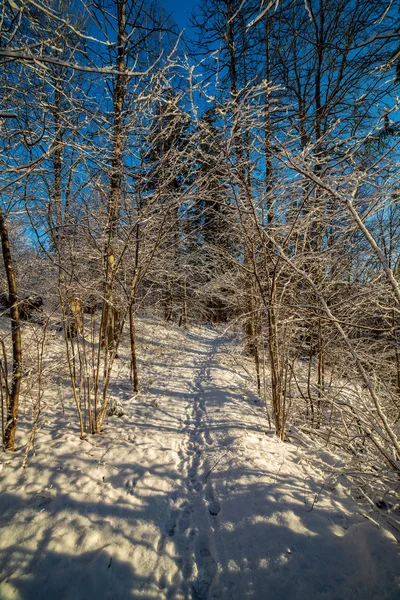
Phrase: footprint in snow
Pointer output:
(214, 508)
(209, 438)
(184, 520)
(192, 471)
(130, 486)
(162, 584)
(170, 525)
(160, 545)
(207, 568)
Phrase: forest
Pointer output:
(238, 181)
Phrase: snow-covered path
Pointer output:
(187, 496)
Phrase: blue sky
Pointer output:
(181, 10)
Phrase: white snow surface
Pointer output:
(188, 495)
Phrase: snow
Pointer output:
(188, 495)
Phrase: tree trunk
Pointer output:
(132, 331)
(12, 409)
(116, 174)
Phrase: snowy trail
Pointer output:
(186, 497)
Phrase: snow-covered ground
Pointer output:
(186, 496)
